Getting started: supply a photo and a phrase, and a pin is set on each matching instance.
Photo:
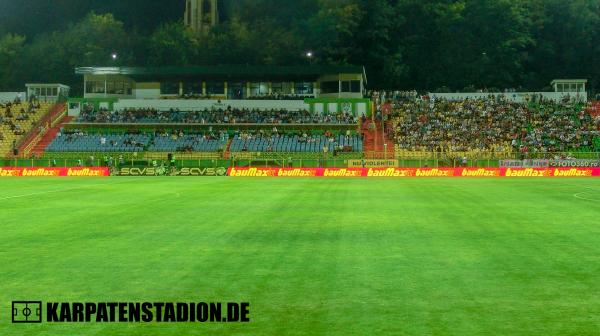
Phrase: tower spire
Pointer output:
(201, 15)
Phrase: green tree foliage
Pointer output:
(404, 44)
(53, 57)
(172, 43)
(11, 53)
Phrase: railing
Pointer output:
(50, 120)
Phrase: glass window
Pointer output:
(277, 87)
(110, 88)
(281, 88)
(305, 88)
(119, 88)
(254, 89)
(192, 88)
(330, 87)
(236, 90)
(169, 88)
(345, 86)
(54, 92)
(355, 86)
(95, 87)
(259, 89)
(215, 88)
(127, 88)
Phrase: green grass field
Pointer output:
(312, 256)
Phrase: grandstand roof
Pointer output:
(577, 81)
(224, 71)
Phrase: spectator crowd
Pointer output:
(214, 116)
(491, 124)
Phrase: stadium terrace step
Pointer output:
(375, 141)
(227, 152)
(594, 110)
(47, 139)
(16, 129)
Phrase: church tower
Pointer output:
(201, 15)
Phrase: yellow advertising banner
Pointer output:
(372, 163)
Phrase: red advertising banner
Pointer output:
(413, 172)
(54, 171)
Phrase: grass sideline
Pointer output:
(312, 256)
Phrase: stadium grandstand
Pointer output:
(18, 118)
(292, 114)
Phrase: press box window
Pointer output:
(345, 86)
(169, 88)
(277, 87)
(259, 89)
(192, 88)
(94, 87)
(330, 87)
(217, 88)
(303, 88)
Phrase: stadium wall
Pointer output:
(10, 96)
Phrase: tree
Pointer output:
(53, 57)
(403, 44)
(11, 52)
(173, 44)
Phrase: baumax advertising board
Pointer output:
(54, 172)
(413, 172)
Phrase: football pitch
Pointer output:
(455, 256)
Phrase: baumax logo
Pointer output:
(40, 172)
(9, 172)
(434, 173)
(573, 172)
(251, 172)
(528, 172)
(481, 172)
(54, 171)
(84, 172)
(296, 172)
(390, 172)
(342, 173)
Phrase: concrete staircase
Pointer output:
(227, 152)
(594, 110)
(376, 140)
(40, 147)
